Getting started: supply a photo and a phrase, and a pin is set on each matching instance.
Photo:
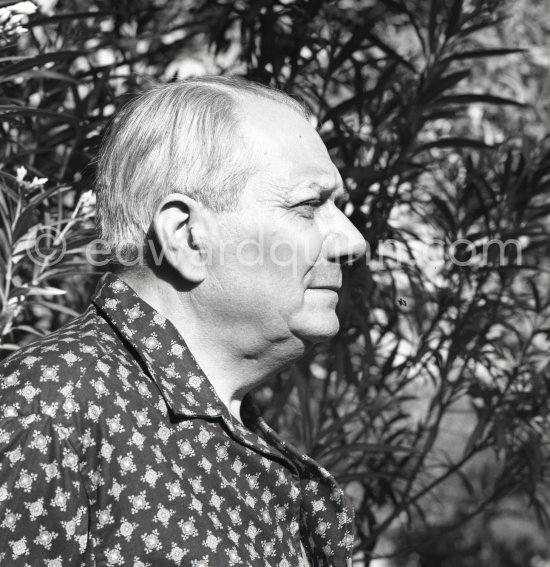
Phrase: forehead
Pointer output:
(285, 147)
(323, 179)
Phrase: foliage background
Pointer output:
(431, 405)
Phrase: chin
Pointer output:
(321, 330)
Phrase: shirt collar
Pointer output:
(158, 344)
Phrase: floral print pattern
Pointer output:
(116, 450)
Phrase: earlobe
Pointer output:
(176, 224)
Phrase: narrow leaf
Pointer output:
(481, 53)
(38, 60)
(40, 74)
(479, 98)
(432, 25)
(453, 24)
(42, 21)
(11, 110)
(455, 142)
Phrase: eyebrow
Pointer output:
(340, 194)
(325, 186)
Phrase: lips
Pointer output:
(334, 287)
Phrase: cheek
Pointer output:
(290, 254)
(310, 247)
(274, 252)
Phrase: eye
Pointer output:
(308, 207)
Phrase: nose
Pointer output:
(344, 243)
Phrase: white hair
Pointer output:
(177, 137)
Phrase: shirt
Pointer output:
(116, 450)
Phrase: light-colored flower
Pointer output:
(37, 182)
(26, 8)
(21, 173)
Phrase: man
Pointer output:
(124, 436)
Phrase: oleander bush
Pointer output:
(431, 405)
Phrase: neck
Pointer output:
(234, 360)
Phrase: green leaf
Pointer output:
(470, 30)
(64, 269)
(343, 107)
(480, 53)
(401, 8)
(389, 51)
(437, 84)
(10, 110)
(42, 195)
(5, 226)
(54, 307)
(432, 25)
(56, 18)
(22, 225)
(38, 60)
(46, 291)
(40, 74)
(34, 291)
(25, 220)
(91, 100)
(479, 98)
(22, 245)
(17, 291)
(453, 24)
(8, 346)
(29, 329)
(443, 207)
(368, 448)
(6, 189)
(454, 142)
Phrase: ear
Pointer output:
(184, 231)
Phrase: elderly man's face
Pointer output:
(280, 270)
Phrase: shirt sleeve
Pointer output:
(43, 502)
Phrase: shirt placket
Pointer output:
(333, 550)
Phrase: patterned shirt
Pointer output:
(116, 450)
